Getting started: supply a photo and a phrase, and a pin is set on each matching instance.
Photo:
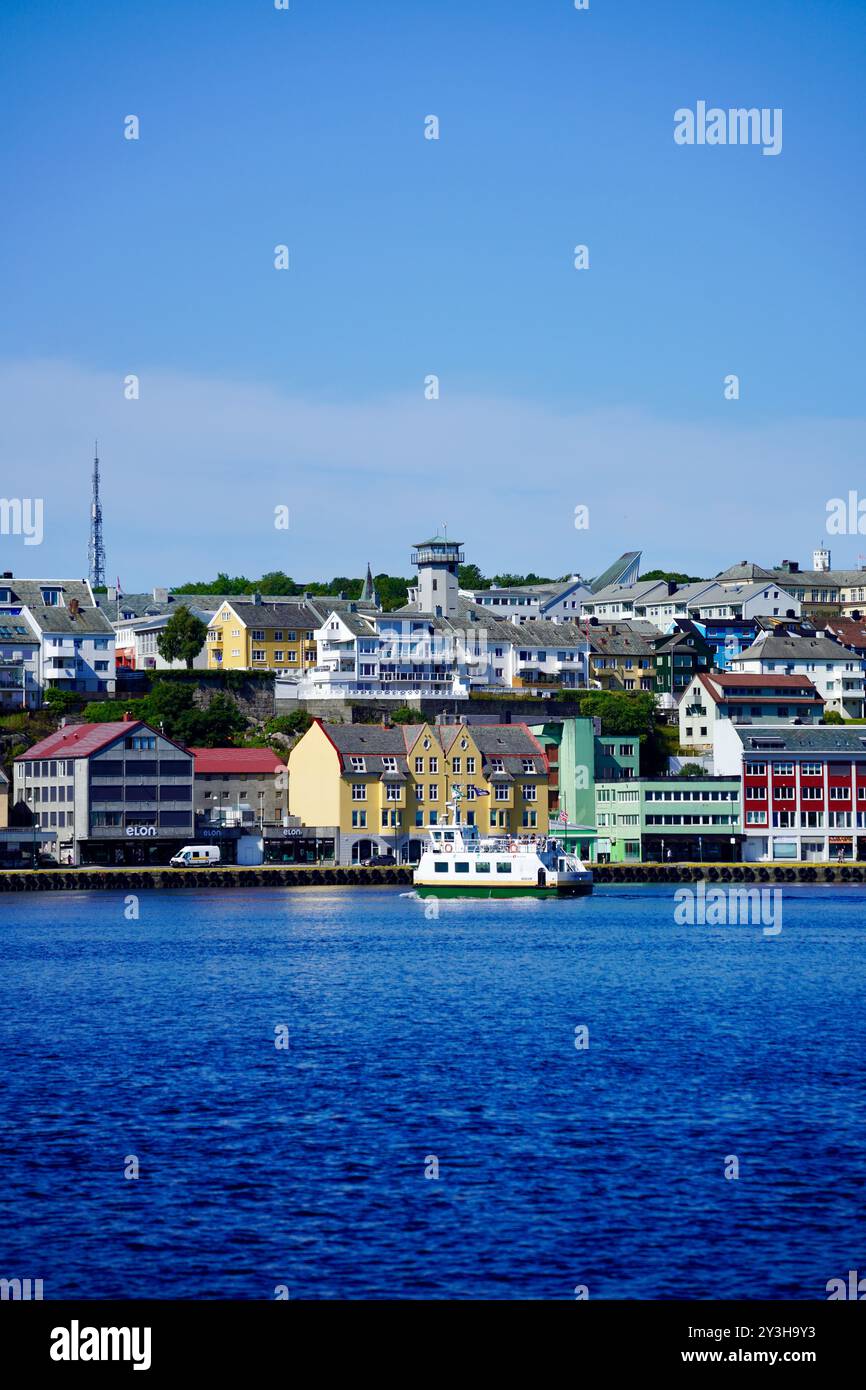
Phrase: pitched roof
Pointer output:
(733, 688)
(744, 572)
(270, 616)
(80, 740)
(58, 619)
(234, 760)
(778, 647)
(849, 631)
(801, 738)
(29, 591)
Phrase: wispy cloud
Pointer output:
(193, 470)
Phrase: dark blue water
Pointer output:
(412, 1037)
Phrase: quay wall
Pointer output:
(308, 876)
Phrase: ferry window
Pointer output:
(441, 868)
(503, 866)
(448, 835)
(461, 866)
(482, 867)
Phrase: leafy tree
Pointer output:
(404, 715)
(275, 582)
(470, 577)
(832, 716)
(213, 727)
(692, 770)
(620, 711)
(674, 576)
(61, 701)
(182, 638)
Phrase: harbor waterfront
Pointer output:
(307, 876)
(483, 1099)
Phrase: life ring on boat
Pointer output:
(512, 846)
(449, 849)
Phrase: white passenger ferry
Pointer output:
(459, 863)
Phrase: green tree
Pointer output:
(182, 638)
(692, 770)
(61, 701)
(470, 577)
(832, 716)
(214, 727)
(674, 576)
(620, 711)
(403, 714)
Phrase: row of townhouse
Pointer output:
(52, 634)
(372, 789)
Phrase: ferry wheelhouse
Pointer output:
(459, 862)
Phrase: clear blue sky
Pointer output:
(411, 257)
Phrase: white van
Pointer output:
(195, 856)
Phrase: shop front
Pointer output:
(299, 844)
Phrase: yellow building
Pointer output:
(381, 788)
(4, 800)
(256, 636)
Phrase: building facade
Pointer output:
(252, 635)
(746, 699)
(694, 819)
(114, 793)
(804, 790)
(383, 787)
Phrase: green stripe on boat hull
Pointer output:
(429, 890)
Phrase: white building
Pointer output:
(138, 639)
(836, 671)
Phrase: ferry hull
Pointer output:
(517, 890)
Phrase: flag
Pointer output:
(480, 791)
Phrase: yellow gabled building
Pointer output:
(381, 788)
(249, 635)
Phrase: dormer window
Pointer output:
(359, 764)
(51, 597)
(389, 764)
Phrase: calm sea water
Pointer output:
(413, 1038)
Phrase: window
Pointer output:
(440, 868)
(461, 866)
(528, 765)
(756, 818)
(455, 764)
(783, 769)
(503, 866)
(359, 820)
(277, 636)
(389, 764)
(393, 793)
(419, 792)
(358, 764)
(258, 636)
(433, 791)
(278, 656)
(497, 764)
(530, 792)
(434, 764)
(259, 655)
(470, 766)
(530, 819)
(419, 764)
(359, 791)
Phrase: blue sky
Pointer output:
(408, 257)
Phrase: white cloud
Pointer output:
(192, 472)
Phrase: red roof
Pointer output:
(732, 679)
(236, 760)
(80, 740)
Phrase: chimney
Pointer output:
(7, 574)
(128, 717)
(256, 598)
(160, 595)
(111, 593)
(73, 607)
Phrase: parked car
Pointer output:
(195, 857)
(376, 860)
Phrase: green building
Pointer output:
(651, 819)
(579, 756)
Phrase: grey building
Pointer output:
(113, 793)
